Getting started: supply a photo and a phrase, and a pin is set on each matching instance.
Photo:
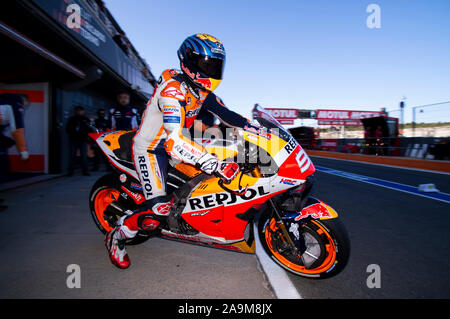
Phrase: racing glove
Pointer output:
(211, 165)
(227, 171)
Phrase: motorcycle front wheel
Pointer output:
(327, 247)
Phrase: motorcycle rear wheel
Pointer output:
(327, 242)
(105, 191)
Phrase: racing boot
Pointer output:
(146, 219)
(115, 244)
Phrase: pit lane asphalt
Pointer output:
(406, 235)
(48, 227)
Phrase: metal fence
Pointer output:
(430, 113)
(416, 119)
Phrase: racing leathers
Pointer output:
(169, 113)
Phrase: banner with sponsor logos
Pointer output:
(343, 117)
(283, 114)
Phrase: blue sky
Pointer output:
(306, 54)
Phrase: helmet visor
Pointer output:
(211, 67)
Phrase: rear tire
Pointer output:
(105, 191)
(328, 247)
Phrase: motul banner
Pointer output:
(343, 117)
(283, 114)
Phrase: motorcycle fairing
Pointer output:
(110, 144)
(215, 212)
(138, 198)
(315, 209)
(288, 155)
(244, 246)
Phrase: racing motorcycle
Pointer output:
(270, 198)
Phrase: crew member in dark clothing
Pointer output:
(124, 117)
(103, 125)
(379, 141)
(101, 122)
(78, 128)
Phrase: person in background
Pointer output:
(379, 141)
(12, 107)
(101, 122)
(78, 128)
(103, 125)
(123, 116)
(367, 140)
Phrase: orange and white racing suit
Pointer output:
(170, 111)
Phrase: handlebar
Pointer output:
(238, 193)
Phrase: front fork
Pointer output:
(295, 242)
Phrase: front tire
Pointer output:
(327, 242)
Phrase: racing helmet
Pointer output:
(202, 59)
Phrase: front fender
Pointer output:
(316, 209)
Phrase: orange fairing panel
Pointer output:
(112, 139)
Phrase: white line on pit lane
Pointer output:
(384, 165)
(279, 280)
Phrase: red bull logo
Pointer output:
(316, 211)
(205, 82)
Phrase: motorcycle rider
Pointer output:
(175, 103)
